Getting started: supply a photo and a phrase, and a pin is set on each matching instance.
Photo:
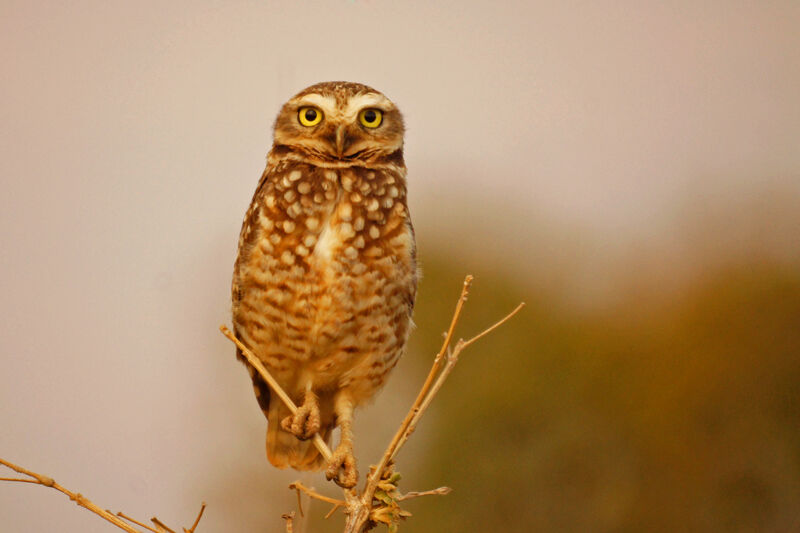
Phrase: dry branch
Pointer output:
(83, 501)
(196, 520)
(403, 430)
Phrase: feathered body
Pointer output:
(325, 279)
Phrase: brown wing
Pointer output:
(247, 238)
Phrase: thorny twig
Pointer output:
(365, 509)
(83, 501)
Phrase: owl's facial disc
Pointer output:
(359, 126)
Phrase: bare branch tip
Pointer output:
(467, 285)
(161, 525)
(289, 517)
(196, 520)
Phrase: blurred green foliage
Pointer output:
(675, 412)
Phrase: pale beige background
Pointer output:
(133, 134)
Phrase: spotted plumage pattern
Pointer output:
(326, 276)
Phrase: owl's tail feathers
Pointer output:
(284, 449)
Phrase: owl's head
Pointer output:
(340, 122)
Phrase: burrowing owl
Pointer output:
(325, 280)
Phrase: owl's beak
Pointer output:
(340, 140)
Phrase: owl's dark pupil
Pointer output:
(311, 114)
(370, 115)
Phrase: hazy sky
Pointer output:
(133, 134)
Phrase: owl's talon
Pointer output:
(305, 423)
(342, 468)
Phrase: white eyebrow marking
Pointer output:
(326, 103)
(357, 103)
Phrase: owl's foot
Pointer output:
(342, 468)
(305, 423)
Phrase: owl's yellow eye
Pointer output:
(371, 118)
(309, 116)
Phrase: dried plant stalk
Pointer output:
(83, 501)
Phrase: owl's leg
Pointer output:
(342, 468)
(305, 423)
